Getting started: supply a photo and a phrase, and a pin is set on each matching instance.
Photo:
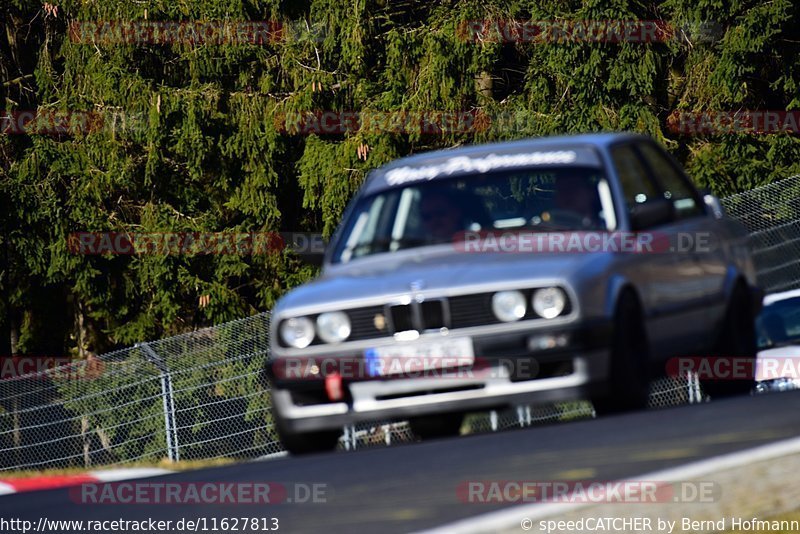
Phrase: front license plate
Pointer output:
(413, 358)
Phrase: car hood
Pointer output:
(437, 270)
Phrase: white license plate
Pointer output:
(412, 358)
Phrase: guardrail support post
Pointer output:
(167, 395)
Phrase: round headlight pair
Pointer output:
(510, 306)
(332, 327)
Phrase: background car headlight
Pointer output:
(509, 305)
(549, 302)
(333, 327)
(297, 332)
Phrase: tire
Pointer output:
(630, 357)
(436, 426)
(299, 443)
(737, 339)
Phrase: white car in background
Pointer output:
(778, 329)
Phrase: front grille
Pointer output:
(461, 311)
(402, 317)
(431, 315)
(364, 323)
(471, 310)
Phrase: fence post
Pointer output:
(169, 401)
(695, 393)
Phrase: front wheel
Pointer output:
(630, 357)
(298, 443)
(737, 340)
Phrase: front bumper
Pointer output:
(509, 369)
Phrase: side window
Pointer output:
(675, 187)
(637, 186)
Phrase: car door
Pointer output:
(698, 246)
(665, 279)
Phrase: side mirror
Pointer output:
(652, 213)
(714, 205)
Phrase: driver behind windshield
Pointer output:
(441, 216)
(576, 203)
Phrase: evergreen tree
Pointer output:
(193, 137)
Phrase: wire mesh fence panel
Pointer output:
(674, 391)
(82, 414)
(198, 395)
(771, 214)
(220, 397)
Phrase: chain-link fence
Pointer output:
(197, 395)
(204, 394)
(771, 214)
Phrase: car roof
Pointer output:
(783, 295)
(587, 143)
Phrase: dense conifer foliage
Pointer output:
(192, 134)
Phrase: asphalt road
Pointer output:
(414, 486)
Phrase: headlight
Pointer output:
(508, 306)
(333, 327)
(549, 302)
(298, 332)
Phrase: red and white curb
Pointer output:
(17, 485)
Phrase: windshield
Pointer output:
(435, 212)
(779, 323)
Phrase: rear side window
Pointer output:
(637, 187)
(673, 182)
